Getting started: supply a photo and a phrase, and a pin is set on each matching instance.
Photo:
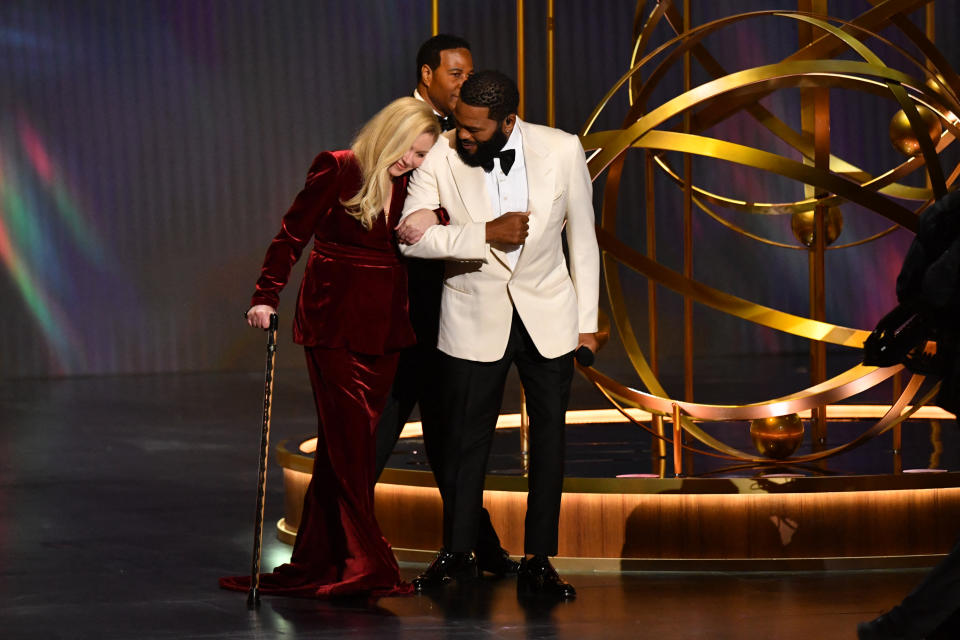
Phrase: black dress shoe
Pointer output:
(446, 566)
(537, 576)
(883, 628)
(497, 562)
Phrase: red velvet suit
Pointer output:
(354, 290)
(352, 319)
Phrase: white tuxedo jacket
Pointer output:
(480, 289)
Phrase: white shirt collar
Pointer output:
(416, 94)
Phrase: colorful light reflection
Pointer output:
(34, 200)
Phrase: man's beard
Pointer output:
(485, 151)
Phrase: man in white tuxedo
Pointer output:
(509, 297)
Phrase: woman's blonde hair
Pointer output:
(385, 138)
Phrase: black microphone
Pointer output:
(584, 356)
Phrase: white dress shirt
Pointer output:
(416, 94)
(509, 192)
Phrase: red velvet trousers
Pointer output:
(339, 547)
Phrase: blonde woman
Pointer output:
(352, 320)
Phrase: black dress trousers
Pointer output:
(419, 381)
(471, 405)
(418, 371)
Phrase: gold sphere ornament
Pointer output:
(777, 437)
(804, 229)
(904, 138)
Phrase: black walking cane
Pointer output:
(253, 596)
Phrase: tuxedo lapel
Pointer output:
(540, 183)
(472, 188)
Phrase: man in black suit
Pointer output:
(443, 63)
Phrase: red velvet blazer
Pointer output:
(354, 289)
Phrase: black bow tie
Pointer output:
(446, 123)
(506, 161)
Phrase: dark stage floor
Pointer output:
(122, 500)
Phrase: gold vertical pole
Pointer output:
(897, 430)
(818, 365)
(524, 419)
(677, 442)
(659, 448)
(658, 451)
(434, 17)
(897, 378)
(660, 467)
(551, 104)
(651, 221)
(936, 444)
(687, 230)
(521, 70)
(524, 433)
(815, 121)
(687, 235)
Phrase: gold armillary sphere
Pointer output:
(929, 89)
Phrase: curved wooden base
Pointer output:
(636, 523)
